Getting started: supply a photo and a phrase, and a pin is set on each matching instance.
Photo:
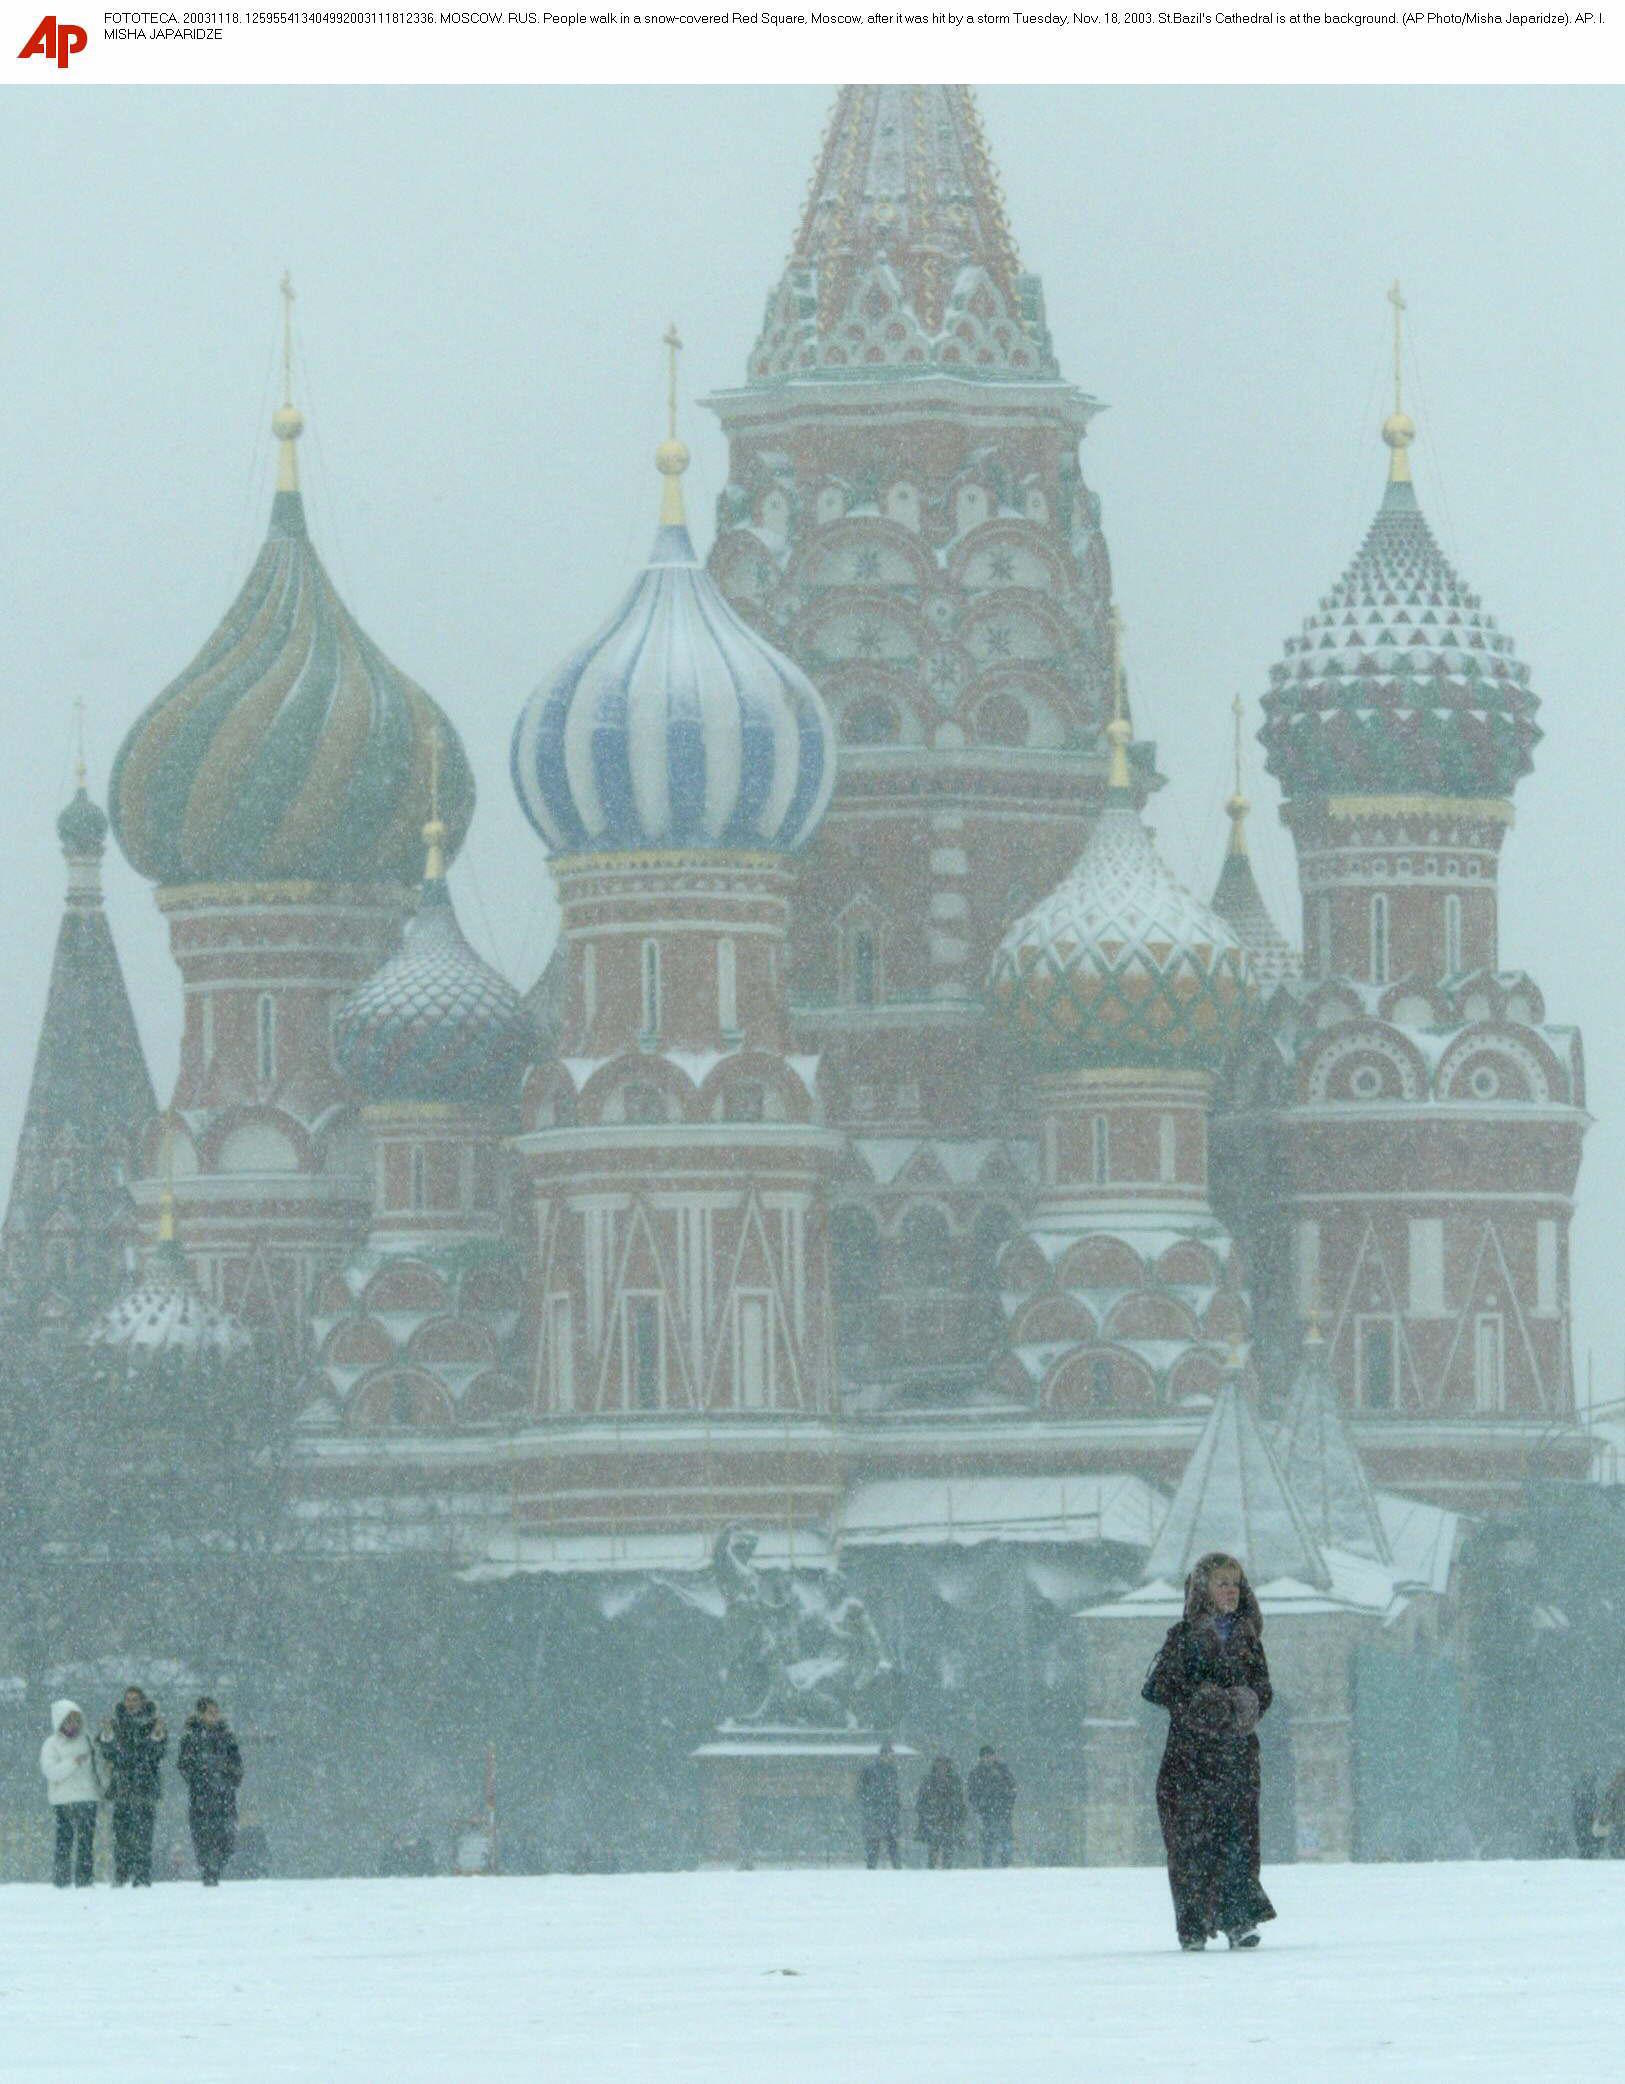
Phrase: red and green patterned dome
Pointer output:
(1120, 964)
(290, 749)
(1400, 684)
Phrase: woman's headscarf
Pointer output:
(1199, 1592)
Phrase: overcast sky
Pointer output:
(483, 280)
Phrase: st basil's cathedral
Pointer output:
(894, 1157)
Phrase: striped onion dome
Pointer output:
(163, 1317)
(1121, 964)
(435, 1023)
(1400, 684)
(676, 725)
(290, 749)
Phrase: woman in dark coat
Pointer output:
(939, 1813)
(212, 1767)
(1211, 1676)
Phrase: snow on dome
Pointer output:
(1120, 963)
(675, 726)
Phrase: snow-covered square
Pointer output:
(1485, 1971)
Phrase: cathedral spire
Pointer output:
(1237, 808)
(671, 457)
(1236, 896)
(287, 422)
(904, 263)
(1399, 429)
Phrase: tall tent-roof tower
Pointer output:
(69, 1218)
(906, 517)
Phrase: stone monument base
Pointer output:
(783, 1797)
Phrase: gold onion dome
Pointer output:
(1120, 964)
(290, 749)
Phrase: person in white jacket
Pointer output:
(68, 1761)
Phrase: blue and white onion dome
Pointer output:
(676, 725)
(436, 1023)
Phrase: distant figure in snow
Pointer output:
(991, 1789)
(880, 1807)
(131, 1744)
(211, 1764)
(1609, 1823)
(939, 1813)
(72, 1788)
(1211, 1676)
(1583, 1809)
(408, 1853)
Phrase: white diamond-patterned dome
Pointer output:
(164, 1318)
(1120, 963)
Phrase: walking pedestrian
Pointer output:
(939, 1813)
(68, 1761)
(991, 1790)
(880, 1807)
(1211, 1676)
(211, 1764)
(132, 1743)
(1608, 1825)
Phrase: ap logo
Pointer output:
(54, 39)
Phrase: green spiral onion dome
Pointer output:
(1400, 684)
(290, 749)
(1120, 964)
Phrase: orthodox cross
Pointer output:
(1398, 302)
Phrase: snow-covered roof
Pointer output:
(519, 1554)
(1234, 1497)
(1321, 1466)
(1422, 1541)
(962, 1511)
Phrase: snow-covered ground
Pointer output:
(1384, 1973)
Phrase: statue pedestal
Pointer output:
(783, 1797)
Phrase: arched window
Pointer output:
(854, 1271)
(928, 1249)
(1165, 1147)
(1452, 935)
(1099, 1151)
(727, 988)
(267, 1038)
(651, 990)
(206, 1023)
(1379, 939)
(419, 1179)
(1323, 935)
(865, 966)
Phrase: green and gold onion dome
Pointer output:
(1120, 964)
(290, 749)
(1400, 684)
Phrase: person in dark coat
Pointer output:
(1211, 1676)
(880, 1807)
(939, 1813)
(132, 1743)
(991, 1791)
(211, 1764)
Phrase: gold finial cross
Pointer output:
(1117, 665)
(166, 1195)
(286, 287)
(434, 833)
(1236, 711)
(78, 741)
(673, 346)
(1397, 300)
